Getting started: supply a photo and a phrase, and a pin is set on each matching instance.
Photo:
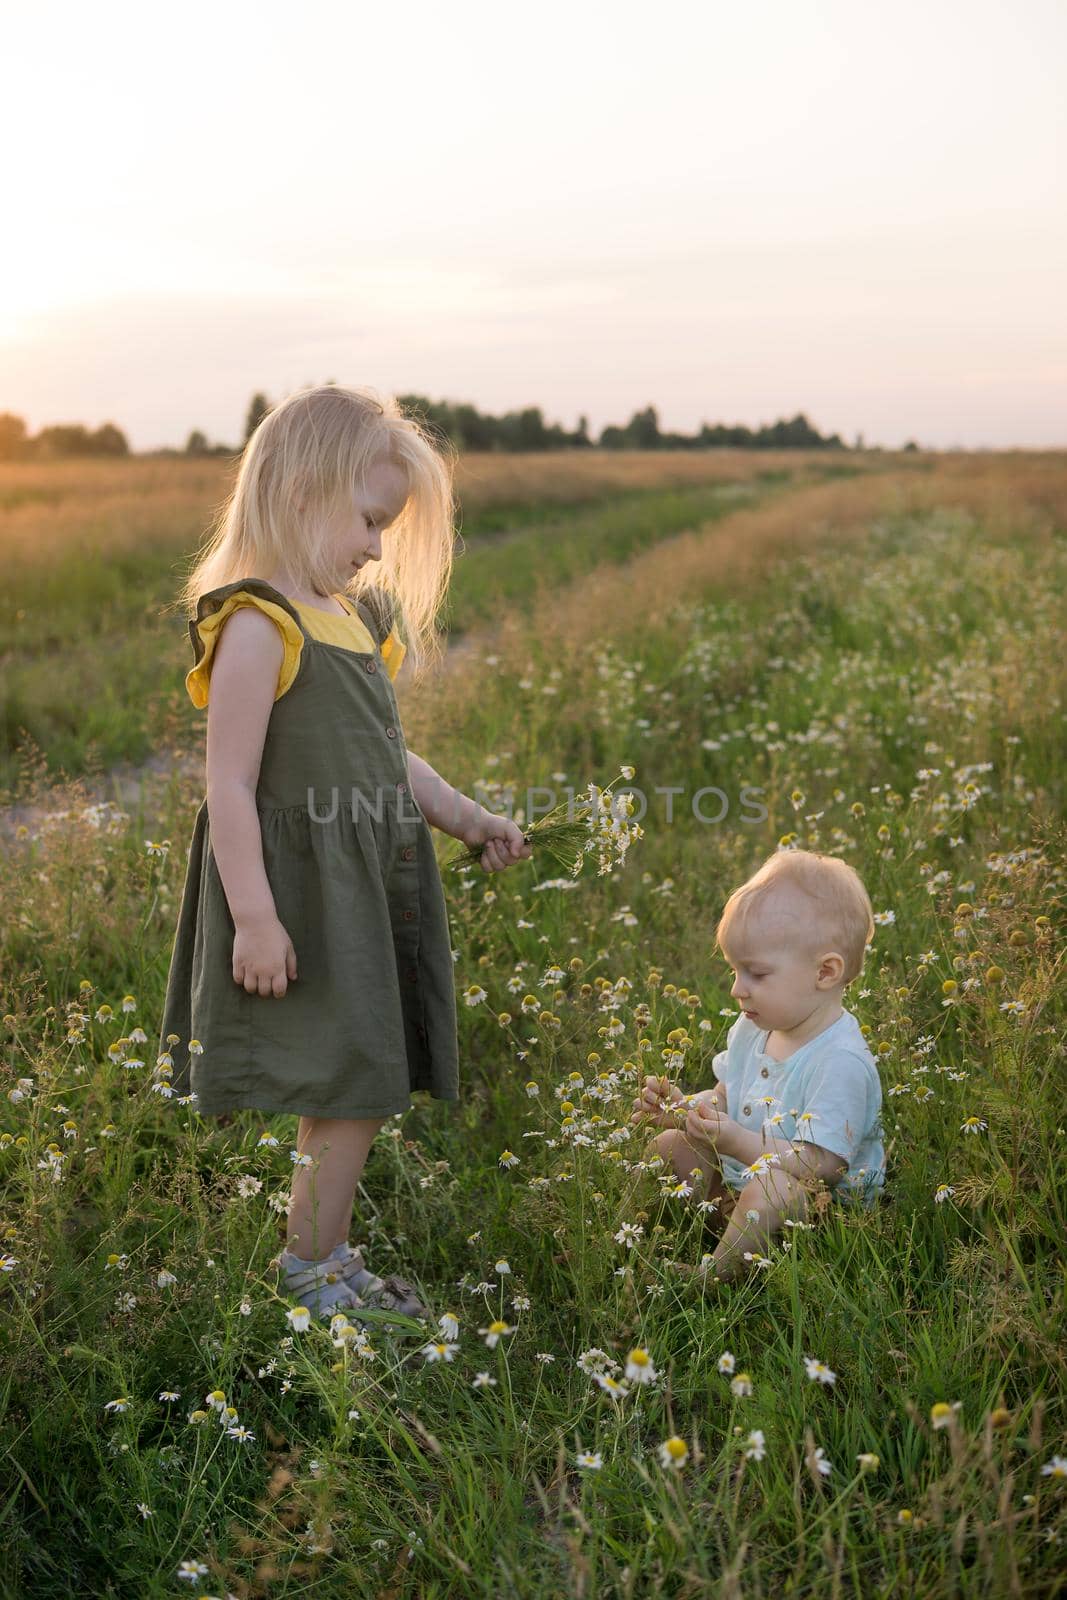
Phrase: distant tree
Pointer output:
(14, 444)
(196, 444)
(257, 410)
(911, 445)
(109, 441)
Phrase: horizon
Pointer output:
(730, 218)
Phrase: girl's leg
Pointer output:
(323, 1193)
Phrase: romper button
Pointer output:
(390, 733)
(401, 788)
(764, 1072)
(372, 666)
(408, 915)
(408, 854)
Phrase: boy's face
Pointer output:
(780, 979)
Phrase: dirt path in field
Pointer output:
(742, 540)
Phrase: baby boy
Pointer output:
(798, 1097)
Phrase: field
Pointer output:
(873, 644)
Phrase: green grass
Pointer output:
(93, 676)
(930, 644)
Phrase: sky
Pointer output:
(731, 213)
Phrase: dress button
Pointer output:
(408, 853)
(408, 915)
(764, 1072)
(746, 1111)
(401, 788)
(390, 733)
(372, 666)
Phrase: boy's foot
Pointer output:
(391, 1293)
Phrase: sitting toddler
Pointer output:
(798, 1098)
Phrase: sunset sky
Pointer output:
(732, 213)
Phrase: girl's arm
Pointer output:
(456, 813)
(244, 673)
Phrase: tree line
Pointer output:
(461, 425)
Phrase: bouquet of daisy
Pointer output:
(598, 820)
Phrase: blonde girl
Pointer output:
(311, 970)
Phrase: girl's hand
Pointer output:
(503, 840)
(264, 960)
(652, 1103)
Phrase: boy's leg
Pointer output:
(323, 1192)
(772, 1196)
(674, 1146)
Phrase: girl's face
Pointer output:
(356, 535)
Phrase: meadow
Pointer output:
(870, 646)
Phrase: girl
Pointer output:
(312, 971)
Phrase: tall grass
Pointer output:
(880, 661)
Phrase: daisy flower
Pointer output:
(973, 1125)
(817, 1372)
(673, 1453)
(741, 1385)
(440, 1350)
(726, 1362)
(589, 1458)
(495, 1332)
(639, 1367)
(755, 1449)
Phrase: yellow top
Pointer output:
(350, 632)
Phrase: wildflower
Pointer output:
(741, 1385)
(754, 1445)
(820, 1462)
(240, 1433)
(726, 1362)
(1056, 1468)
(868, 1461)
(589, 1458)
(943, 1192)
(449, 1325)
(973, 1125)
(494, 1332)
(507, 1158)
(612, 1386)
(1015, 1008)
(122, 1404)
(673, 1453)
(884, 919)
(299, 1318)
(818, 1372)
(941, 1413)
(629, 1234)
(191, 1569)
(501, 1266)
(533, 1090)
(639, 1367)
(473, 996)
(482, 1380)
(440, 1350)
(905, 1517)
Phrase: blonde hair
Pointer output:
(304, 462)
(838, 914)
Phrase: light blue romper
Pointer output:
(827, 1092)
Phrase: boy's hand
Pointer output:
(653, 1102)
(704, 1121)
(503, 840)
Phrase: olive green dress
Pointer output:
(371, 1015)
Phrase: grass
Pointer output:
(878, 658)
(94, 671)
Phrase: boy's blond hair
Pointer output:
(837, 908)
(314, 449)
